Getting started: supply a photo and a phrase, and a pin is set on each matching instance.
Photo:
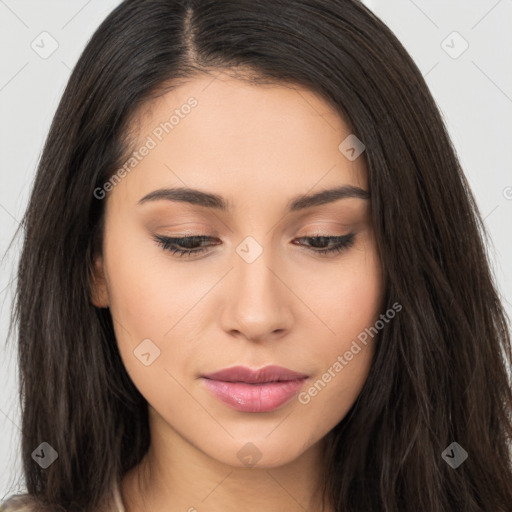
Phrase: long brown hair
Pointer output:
(439, 373)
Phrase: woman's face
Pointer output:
(260, 292)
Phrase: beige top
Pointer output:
(118, 501)
(22, 502)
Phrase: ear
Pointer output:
(99, 292)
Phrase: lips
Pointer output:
(266, 374)
(247, 390)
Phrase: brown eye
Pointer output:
(339, 243)
(189, 245)
(192, 244)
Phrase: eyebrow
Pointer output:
(209, 200)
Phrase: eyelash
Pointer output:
(344, 242)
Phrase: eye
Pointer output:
(190, 242)
(186, 246)
(338, 243)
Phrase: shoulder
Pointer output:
(17, 502)
(25, 502)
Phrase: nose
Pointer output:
(258, 302)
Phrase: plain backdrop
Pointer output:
(462, 47)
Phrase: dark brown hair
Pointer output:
(439, 372)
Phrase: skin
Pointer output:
(257, 146)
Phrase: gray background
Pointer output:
(473, 89)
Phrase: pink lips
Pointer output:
(249, 390)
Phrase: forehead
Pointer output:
(228, 136)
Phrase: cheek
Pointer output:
(138, 301)
(148, 293)
(351, 305)
(353, 297)
(152, 299)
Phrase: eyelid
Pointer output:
(343, 243)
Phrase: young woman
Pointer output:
(254, 277)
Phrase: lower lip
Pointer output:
(254, 397)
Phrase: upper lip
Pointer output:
(270, 373)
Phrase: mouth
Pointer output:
(250, 390)
(263, 375)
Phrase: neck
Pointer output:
(176, 476)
